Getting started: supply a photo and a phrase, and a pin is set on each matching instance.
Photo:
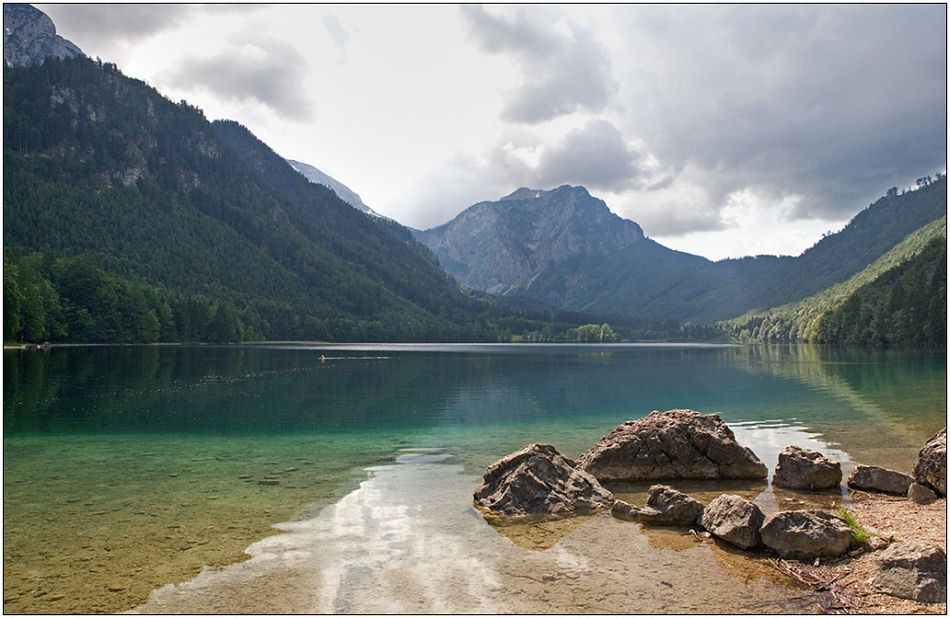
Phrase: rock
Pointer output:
(538, 480)
(622, 510)
(878, 543)
(29, 38)
(931, 466)
(875, 478)
(735, 520)
(921, 494)
(667, 506)
(913, 570)
(800, 468)
(678, 444)
(804, 535)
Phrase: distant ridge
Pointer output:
(565, 248)
(343, 192)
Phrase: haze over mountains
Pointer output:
(128, 217)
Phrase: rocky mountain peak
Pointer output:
(29, 37)
(500, 246)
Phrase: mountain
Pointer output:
(581, 257)
(29, 37)
(138, 207)
(345, 193)
(502, 246)
(810, 320)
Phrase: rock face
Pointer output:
(804, 535)
(538, 480)
(678, 444)
(913, 570)
(505, 245)
(735, 520)
(931, 466)
(29, 37)
(669, 507)
(800, 468)
(875, 478)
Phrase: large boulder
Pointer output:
(805, 535)
(538, 480)
(800, 468)
(913, 570)
(669, 507)
(931, 466)
(678, 444)
(735, 520)
(876, 478)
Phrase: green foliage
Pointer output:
(811, 319)
(906, 306)
(859, 536)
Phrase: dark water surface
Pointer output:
(128, 468)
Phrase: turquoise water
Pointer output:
(163, 460)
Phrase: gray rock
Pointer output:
(800, 468)
(538, 480)
(678, 444)
(735, 520)
(804, 535)
(29, 37)
(622, 510)
(921, 494)
(669, 507)
(875, 478)
(931, 466)
(915, 571)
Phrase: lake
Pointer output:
(339, 478)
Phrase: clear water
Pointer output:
(129, 468)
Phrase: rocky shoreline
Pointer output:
(538, 482)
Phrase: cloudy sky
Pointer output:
(722, 130)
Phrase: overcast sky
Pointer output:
(722, 130)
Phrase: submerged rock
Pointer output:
(876, 478)
(678, 444)
(735, 520)
(538, 480)
(913, 570)
(622, 510)
(931, 466)
(804, 535)
(800, 468)
(667, 506)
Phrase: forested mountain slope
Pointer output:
(102, 165)
(869, 235)
(810, 319)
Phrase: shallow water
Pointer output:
(153, 459)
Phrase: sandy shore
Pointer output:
(887, 516)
